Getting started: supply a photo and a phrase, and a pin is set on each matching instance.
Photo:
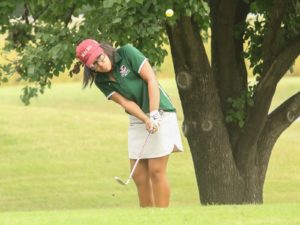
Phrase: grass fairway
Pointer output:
(281, 214)
(58, 158)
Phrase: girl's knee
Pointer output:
(140, 178)
(157, 173)
(158, 168)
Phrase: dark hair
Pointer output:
(89, 74)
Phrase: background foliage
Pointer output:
(44, 33)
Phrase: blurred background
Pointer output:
(63, 150)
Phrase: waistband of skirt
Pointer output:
(136, 120)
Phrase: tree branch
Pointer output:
(257, 115)
(278, 121)
(26, 13)
(266, 88)
(40, 13)
(270, 39)
(241, 13)
(282, 62)
(226, 49)
(69, 14)
(228, 28)
(181, 43)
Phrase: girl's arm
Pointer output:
(149, 77)
(132, 108)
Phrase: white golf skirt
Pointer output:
(165, 141)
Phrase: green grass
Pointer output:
(225, 215)
(58, 158)
(63, 151)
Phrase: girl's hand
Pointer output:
(153, 124)
(149, 126)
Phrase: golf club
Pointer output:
(118, 179)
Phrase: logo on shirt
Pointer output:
(124, 71)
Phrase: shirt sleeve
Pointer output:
(106, 89)
(135, 58)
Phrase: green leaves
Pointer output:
(49, 52)
(117, 20)
(6, 7)
(6, 71)
(31, 70)
(258, 24)
(44, 35)
(3, 78)
(110, 3)
(238, 107)
(28, 93)
(140, 23)
(254, 34)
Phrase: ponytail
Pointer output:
(88, 77)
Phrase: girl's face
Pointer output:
(102, 64)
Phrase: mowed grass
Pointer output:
(279, 214)
(63, 152)
(58, 158)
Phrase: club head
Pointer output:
(118, 179)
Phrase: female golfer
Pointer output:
(125, 76)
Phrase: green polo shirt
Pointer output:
(127, 66)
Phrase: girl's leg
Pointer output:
(143, 183)
(160, 184)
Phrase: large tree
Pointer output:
(227, 122)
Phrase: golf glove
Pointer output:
(155, 120)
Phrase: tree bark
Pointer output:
(278, 121)
(228, 65)
(246, 149)
(230, 162)
(269, 45)
(218, 179)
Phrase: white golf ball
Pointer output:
(169, 12)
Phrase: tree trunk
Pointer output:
(218, 178)
(230, 162)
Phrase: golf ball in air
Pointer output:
(169, 12)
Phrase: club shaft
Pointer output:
(139, 157)
(133, 169)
